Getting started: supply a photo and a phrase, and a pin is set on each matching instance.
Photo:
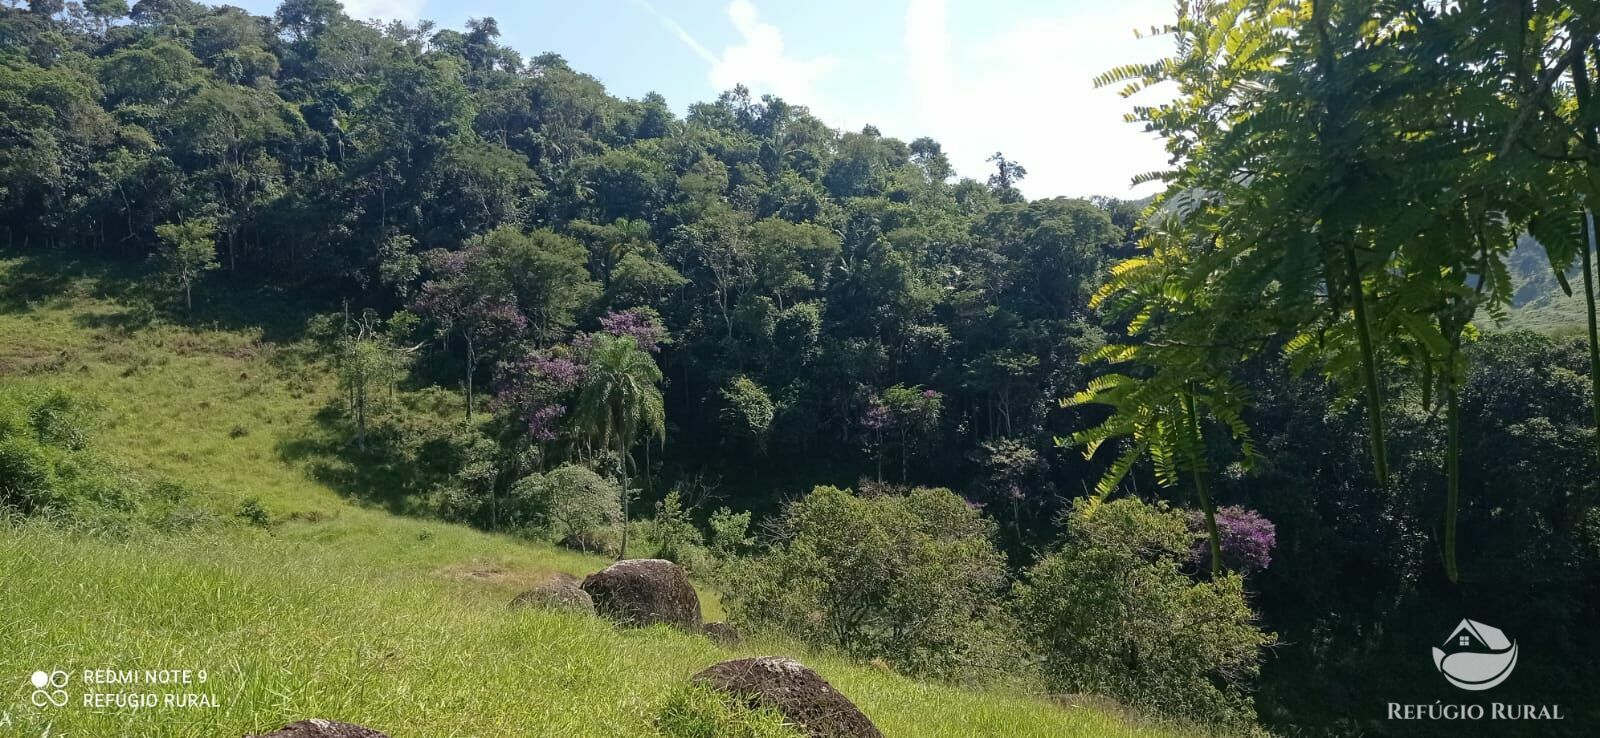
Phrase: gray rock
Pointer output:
(641, 592)
(557, 593)
(796, 692)
(319, 728)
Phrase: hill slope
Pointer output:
(1539, 303)
(341, 610)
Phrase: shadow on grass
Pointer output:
(222, 300)
(386, 471)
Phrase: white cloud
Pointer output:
(679, 31)
(1024, 90)
(760, 62)
(402, 10)
(1027, 91)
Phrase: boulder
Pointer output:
(319, 728)
(722, 634)
(560, 592)
(643, 592)
(794, 691)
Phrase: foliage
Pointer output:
(1112, 611)
(672, 531)
(746, 411)
(1247, 539)
(913, 579)
(46, 460)
(517, 208)
(253, 513)
(730, 533)
(187, 249)
(569, 500)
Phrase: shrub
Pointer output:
(914, 579)
(1113, 612)
(253, 513)
(49, 468)
(569, 500)
(730, 533)
(674, 534)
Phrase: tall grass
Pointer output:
(288, 628)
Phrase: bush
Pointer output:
(1112, 611)
(913, 579)
(674, 533)
(730, 533)
(49, 468)
(569, 500)
(253, 513)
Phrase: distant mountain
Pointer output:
(1538, 302)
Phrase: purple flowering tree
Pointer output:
(459, 303)
(1245, 535)
(534, 390)
(876, 419)
(909, 413)
(914, 414)
(640, 324)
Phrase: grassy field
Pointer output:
(341, 609)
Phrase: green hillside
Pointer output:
(1539, 303)
(340, 609)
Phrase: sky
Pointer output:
(1012, 76)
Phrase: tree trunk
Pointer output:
(1369, 368)
(1594, 330)
(622, 468)
(905, 454)
(1196, 469)
(361, 414)
(1591, 137)
(472, 363)
(1452, 470)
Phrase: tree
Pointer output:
(1112, 612)
(569, 501)
(188, 249)
(746, 412)
(469, 298)
(914, 414)
(1382, 239)
(365, 354)
(914, 579)
(106, 11)
(618, 403)
(1006, 175)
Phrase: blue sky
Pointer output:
(1002, 75)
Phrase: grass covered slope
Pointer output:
(289, 628)
(342, 610)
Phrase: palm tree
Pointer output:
(620, 401)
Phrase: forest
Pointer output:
(1239, 453)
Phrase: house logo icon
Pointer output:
(1476, 656)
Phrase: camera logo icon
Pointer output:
(49, 688)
